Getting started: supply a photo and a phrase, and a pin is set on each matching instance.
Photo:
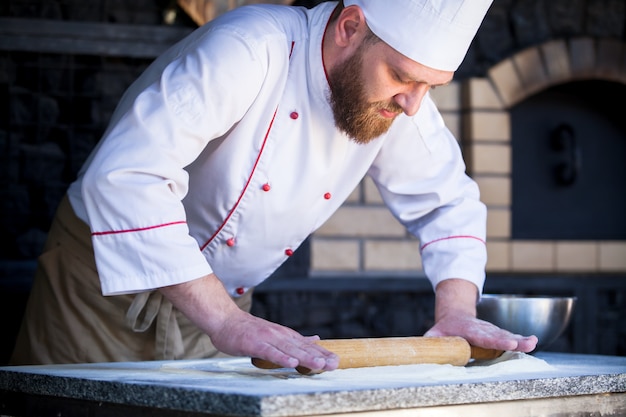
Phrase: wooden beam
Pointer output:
(82, 38)
(201, 11)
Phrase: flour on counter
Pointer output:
(508, 365)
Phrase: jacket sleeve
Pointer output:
(136, 179)
(421, 176)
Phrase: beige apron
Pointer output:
(68, 320)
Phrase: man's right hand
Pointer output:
(235, 332)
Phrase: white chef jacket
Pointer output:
(223, 157)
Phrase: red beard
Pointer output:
(354, 115)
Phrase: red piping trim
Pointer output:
(245, 187)
(293, 43)
(449, 238)
(141, 229)
(256, 163)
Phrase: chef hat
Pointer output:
(435, 33)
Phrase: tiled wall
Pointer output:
(362, 237)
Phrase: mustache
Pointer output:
(392, 107)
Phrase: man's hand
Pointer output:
(455, 315)
(234, 332)
(482, 334)
(246, 335)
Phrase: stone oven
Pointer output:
(533, 107)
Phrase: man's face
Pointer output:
(354, 114)
(370, 88)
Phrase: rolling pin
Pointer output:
(385, 351)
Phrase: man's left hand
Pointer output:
(483, 334)
(455, 315)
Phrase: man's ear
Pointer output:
(350, 27)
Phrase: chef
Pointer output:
(233, 147)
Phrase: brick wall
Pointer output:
(522, 49)
(487, 144)
(362, 237)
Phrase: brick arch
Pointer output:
(486, 139)
(539, 67)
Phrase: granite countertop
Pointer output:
(232, 386)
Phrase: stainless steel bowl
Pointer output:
(544, 316)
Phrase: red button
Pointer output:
(266, 187)
(231, 242)
(288, 252)
(327, 196)
(240, 290)
(294, 115)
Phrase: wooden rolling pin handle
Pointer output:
(263, 364)
(358, 353)
(479, 353)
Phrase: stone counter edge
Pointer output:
(202, 401)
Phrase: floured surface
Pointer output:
(238, 375)
(234, 387)
(510, 364)
(240, 370)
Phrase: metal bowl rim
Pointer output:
(529, 297)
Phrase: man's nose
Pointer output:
(411, 99)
